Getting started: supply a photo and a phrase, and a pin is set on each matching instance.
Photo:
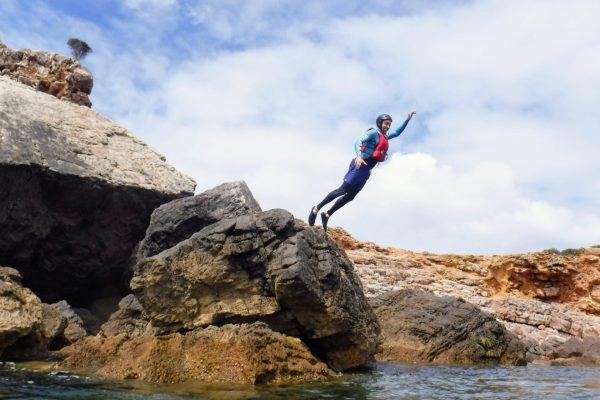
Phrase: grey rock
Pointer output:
(577, 351)
(53, 325)
(75, 329)
(179, 219)
(129, 320)
(421, 327)
(262, 267)
(77, 194)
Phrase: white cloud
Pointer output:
(141, 4)
(501, 156)
(416, 203)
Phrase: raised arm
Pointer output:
(398, 131)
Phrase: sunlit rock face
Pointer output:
(264, 267)
(20, 317)
(549, 300)
(59, 76)
(77, 194)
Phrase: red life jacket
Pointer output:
(380, 153)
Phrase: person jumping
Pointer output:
(370, 149)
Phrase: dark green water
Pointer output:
(386, 381)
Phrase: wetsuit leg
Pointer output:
(342, 190)
(350, 194)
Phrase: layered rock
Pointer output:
(262, 267)
(545, 299)
(242, 354)
(59, 76)
(420, 327)
(77, 194)
(20, 317)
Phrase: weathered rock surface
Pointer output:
(74, 329)
(244, 354)
(578, 351)
(53, 326)
(77, 194)
(179, 219)
(129, 320)
(20, 317)
(262, 267)
(545, 299)
(50, 73)
(421, 327)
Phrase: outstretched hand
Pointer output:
(358, 161)
(410, 115)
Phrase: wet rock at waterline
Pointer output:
(423, 328)
(241, 354)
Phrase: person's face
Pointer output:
(385, 126)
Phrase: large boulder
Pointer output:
(20, 317)
(77, 194)
(240, 354)
(262, 267)
(50, 73)
(421, 327)
(179, 219)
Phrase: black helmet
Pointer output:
(381, 118)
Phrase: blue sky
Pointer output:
(501, 157)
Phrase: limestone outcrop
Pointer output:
(262, 267)
(59, 76)
(420, 327)
(77, 194)
(545, 299)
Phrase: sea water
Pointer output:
(385, 381)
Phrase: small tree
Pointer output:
(79, 48)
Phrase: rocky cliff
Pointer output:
(548, 300)
(77, 194)
(60, 76)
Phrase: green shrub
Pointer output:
(572, 252)
(551, 251)
(565, 252)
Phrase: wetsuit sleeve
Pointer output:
(398, 131)
(369, 140)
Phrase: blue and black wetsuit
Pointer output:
(356, 178)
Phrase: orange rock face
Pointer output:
(60, 76)
(548, 277)
(240, 354)
(543, 298)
